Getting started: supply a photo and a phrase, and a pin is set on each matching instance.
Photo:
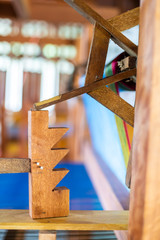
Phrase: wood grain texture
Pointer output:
(116, 104)
(125, 20)
(145, 194)
(97, 56)
(94, 17)
(86, 89)
(77, 220)
(15, 165)
(47, 235)
(45, 200)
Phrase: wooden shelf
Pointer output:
(77, 220)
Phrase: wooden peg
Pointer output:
(45, 199)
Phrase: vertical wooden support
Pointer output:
(98, 53)
(144, 221)
(45, 199)
(47, 235)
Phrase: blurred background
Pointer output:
(44, 47)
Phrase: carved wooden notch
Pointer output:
(45, 199)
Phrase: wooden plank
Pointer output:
(86, 89)
(94, 17)
(117, 105)
(47, 235)
(45, 199)
(15, 165)
(145, 194)
(125, 20)
(97, 57)
(77, 220)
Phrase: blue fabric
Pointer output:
(104, 135)
(14, 189)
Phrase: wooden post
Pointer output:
(144, 221)
(47, 235)
(45, 199)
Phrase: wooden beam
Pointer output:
(125, 20)
(97, 56)
(53, 12)
(86, 89)
(76, 221)
(144, 221)
(15, 165)
(22, 8)
(94, 18)
(41, 41)
(116, 104)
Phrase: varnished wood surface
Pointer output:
(45, 199)
(125, 20)
(86, 89)
(97, 56)
(15, 165)
(145, 193)
(77, 220)
(41, 41)
(94, 17)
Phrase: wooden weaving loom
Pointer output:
(144, 204)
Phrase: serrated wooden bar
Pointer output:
(45, 199)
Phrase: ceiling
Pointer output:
(58, 11)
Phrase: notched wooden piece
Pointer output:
(45, 199)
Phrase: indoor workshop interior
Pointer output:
(79, 119)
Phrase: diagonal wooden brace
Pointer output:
(94, 18)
